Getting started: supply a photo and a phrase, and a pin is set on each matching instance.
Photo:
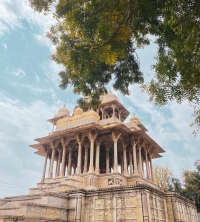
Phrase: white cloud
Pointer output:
(51, 70)
(20, 124)
(13, 12)
(37, 78)
(4, 45)
(18, 72)
(31, 87)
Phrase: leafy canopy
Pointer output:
(188, 187)
(97, 41)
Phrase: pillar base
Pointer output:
(91, 169)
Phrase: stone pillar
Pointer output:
(62, 173)
(102, 113)
(56, 167)
(92, 138)
(151, 166)
(125, 172)
(113, 107)
(97, 157)
(58, 164)
(78, 169)
(135, 157)
(69, 167)
(145, 207)
(107, 160)
(78, 209)
(52, 160)
(44, 169)
(140, 161)
(147, 164)
(49, 166)
(115, 137)
(122, 162)
(175, 212)
(86, 159)
(131, 162)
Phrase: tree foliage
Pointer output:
(189, 187)
(165, 179)
(97, 41)
(192, 184)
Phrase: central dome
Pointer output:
(109, 97)
(135, 120)
(62, 112)
(78, 111)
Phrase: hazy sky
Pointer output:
(29, 95)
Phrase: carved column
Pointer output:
(145, 207)
(135, 157)
(78, 209)
(92, 138)
(78, 169)
(107, 159)
(151, 166)
(131, 162)
(59, 159)
(174, 208)
(140, 160)
(113, 107)
(69, 167)
(86, 159)
(147, 163)
(97, 156)
(53, 147)
(115, 137)
(44, 169)
(64, 143)
(125, 172)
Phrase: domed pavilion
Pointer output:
(98, 167)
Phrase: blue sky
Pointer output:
(29, 95)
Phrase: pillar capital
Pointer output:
(92, 135)
(135, 140)
(65, 141)
(115, 135)
(98, 141)
(79, 138)
(54, 144)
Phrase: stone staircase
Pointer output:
(42, 207)
(47, 202)
(70, 183)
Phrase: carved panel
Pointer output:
(126, 201)
(103, 215)
(103, 203)
(157, 209)
(90, 216)
(71, 215)
(126, 213)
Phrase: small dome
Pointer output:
(109, 97)
(135, 120)
(78, 111)
(62, 112)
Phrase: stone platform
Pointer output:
(116, 203)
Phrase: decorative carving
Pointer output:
(121, 202)
(90, 216)
(110, 182)
(71, 214)
(118, 181)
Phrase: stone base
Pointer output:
(136, 203)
